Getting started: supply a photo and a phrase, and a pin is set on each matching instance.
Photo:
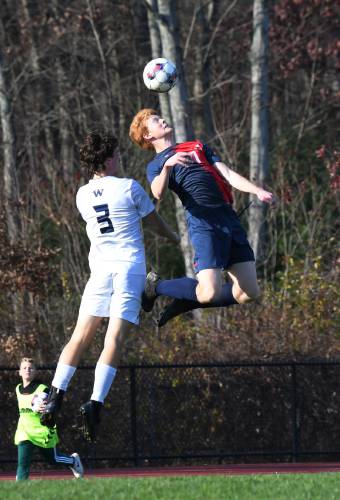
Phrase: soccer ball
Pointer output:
(37, 400)
(160, 75)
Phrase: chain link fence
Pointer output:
(213, 413)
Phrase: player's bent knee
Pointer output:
(207, 295)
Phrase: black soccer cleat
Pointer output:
(91, 419)
(149, 295)
(53, 405)
(175, 308)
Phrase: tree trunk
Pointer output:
(181, 121)
(36, 97)
(168, 28)
(10, 186)
(259, 124)
(203, 120)
(156, 50)
(10, 189)
(66, 140)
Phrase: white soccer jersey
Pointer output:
(112, 209)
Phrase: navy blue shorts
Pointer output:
(218, 239)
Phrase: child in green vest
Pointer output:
(31, 434)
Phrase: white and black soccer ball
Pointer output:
(37, 400)
(160, 75)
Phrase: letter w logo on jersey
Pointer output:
(98, 192)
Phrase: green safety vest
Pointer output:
(29, 427)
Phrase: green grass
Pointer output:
(325, 486)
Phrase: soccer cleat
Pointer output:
(149, 295)
(91, 418)
(77, 468)
(175, 308)
(53, 405)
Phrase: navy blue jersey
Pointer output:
(197, 185)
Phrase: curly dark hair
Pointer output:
(96, 149)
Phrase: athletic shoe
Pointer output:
(149, 295)
(53, 405)
(177, 307)
(91, 419)
(77, 468)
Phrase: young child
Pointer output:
(31, 434)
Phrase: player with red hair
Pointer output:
(203, 183)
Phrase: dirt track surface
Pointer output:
(231, 470)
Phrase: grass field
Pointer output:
(324, 486)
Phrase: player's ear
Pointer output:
(147, 136)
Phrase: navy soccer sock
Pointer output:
(180, 288)
(185, 288)
(225, 299)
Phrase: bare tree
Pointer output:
(169, 31)
(10, 186)
(259, 123)
(157, 51)
(203, 119)
(165, 14)
(74, 66)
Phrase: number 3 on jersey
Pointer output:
(104, 218)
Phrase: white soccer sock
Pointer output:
(103, 378)
(62, 376)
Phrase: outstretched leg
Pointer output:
(105, 373)
(208, 287)
(83, 334)
(212, 293)
(53, 457)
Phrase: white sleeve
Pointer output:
(141, 200)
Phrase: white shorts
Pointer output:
(114, 295)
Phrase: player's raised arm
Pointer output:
(239, 182)
(158, 225)
(160, 183)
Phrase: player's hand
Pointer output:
(266, 197)
(183, 159)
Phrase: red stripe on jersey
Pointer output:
(196, 150)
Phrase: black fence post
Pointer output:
(295, 415)
(133, 404)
